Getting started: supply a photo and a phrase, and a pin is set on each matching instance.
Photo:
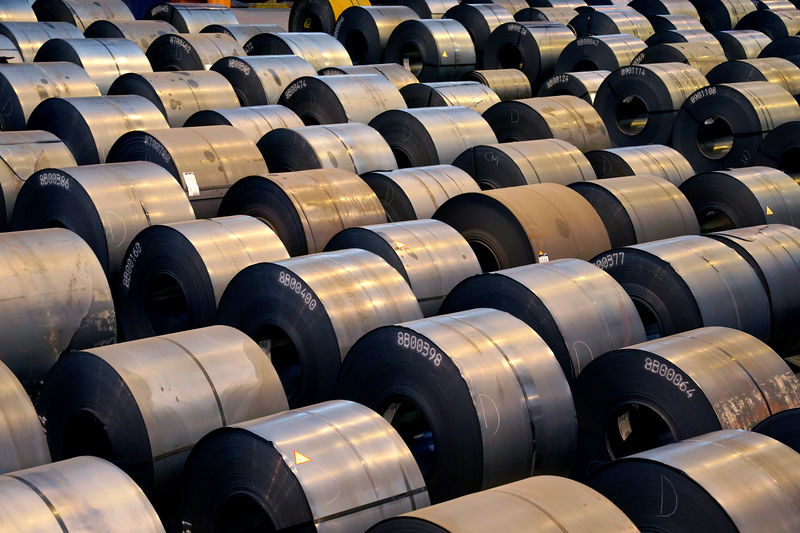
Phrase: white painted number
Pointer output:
(422, 347)
(307, 297)
(670, 374)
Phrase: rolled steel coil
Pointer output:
(579, 310)
(602, 52)
(495, 166)
(191, 18)
(774, 4)
(319, 15)
(480, 20)
(640, 103)
(665, 7)
(434, 49)
(685, 36)
(469, 94)
(573, 4)
(206, 160)
(21, 154)
(178, 95)
(89, 126)
(780, 149)
(772, 23)
(319, 49)
(309, 311)
(722, 126)
(637, 209)
(561, 117)
(507, 83)
(141, 32)
(9, 53)
(688, 282)
(106, 205)
(280, 472)
(81, 13)
(22, 442)
(57, 300)
(539, 222)
(28, 37)
(174, 274)
(773, 251)
(674, 22)
(253, 121)
(393, 72)
(512, 6)
(191, 51)
(539, 502)
(431, 135)
(701, 56)
(430, 255)
(305, 209)
(720, 15)
(532, 47)
(445, 383)
(242, 32)
(782, 47)
(143, 404)
(104, 60)
(72, 495)
(354, 147)
(17, 11)
(652, 159)
(742, 44)
(583, 85)
(415, 193)
(365, 30)
(260, 80)
(546, 14)
(742, 197)
(783, 427)
(611, 21)
(773, 69)
(426, 9)
(340, 99)
(714, 378)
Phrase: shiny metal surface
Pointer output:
(543, 43)
(469, 94)
(319, 49)
(652, 160)
(679, 80)
(624, 19)
(365, 30)
(260, 80)
(253, 121)
(178, 95)
(141, 32)
(434, 49)
(675, 22)
(359, 470)
(393, 72)
(507, 83)
(431, 256)
(598, 52)
(551, 14)
(22, 441)
(17, 11)
(242, 32)
(56, 299)
(687, 36)
(772, 69)
(581, 84)
(191, 51)
(671, 7)
(8, 51)
(191, 18)
(80, 494)
(512, 6)
(742, 44)
(30, 36)
(103, 59)
(81, 13)
(701, 56)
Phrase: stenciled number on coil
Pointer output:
(422, 347)
(297, 286)
(610, 260)
(670, 374)
(136, 251)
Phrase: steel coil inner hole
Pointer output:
(85, 434)
(712, 219)
(165, 305)
(632, 114)
(413, 426)
(652, 328)
(356, 45)
(715, 137)
(283, 354)
(634, 428)
(410, 53)
(242, 513)
(585, 65)
(54, 224)
(402, 157)
(789, 162)
(487, 258)
(509, 56)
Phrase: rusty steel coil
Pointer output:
(253, 121)
(772, 69)
(141, 32)
(319, 49)
(480, 20)
(260, 80)
(720, 15)
(621, 19)
(191, 51)
(507, 83)
(81, 13)
(364, 30)
(742, 44)
(433, 49)
(583, 85)
(650, 159)
(600, 52)
(242, 33)
(397, 74)
(28, 37)
(191, 18)
(470, 94)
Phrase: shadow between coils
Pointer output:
(783, 427)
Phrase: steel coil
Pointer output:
(612, 21)
(430, 255)
(17, 11)
(9, 53)
(253, 121)
(22, 154)
(722, 126)
(564, 15)
(579, 310)
(445, 383)
(539, 222)
(178, 95)
(685, 36)
(782, 47)
(242, 33)
(319, 15)
(143, 404)
(772, 23)
(431, 135)
(469, 94)
(191, 18)
(306, 208)
(639, 103)
(688, 282)
(319, 49)
(280, 471)
(104, 60)
(701, 56)
(72, 495)
(141, 32)
(480, 20)
(81, 13)
(603, 52)
(773, 69)
(415, 193)
(572, 4)
(191, 51)
(206, 160)
(260, 80)
(173, 275)
(651, 159)
(720, 15)
(393, 72)
(674, 22)
(309, 311)
(28, 37)
(733, 479)
(507, 84)
(583, 85)
(512, 6)
(495, 166)
(425, 9)
(106, 205)
(783, 427)
(742, 44)
(22, 442)
(57, 299)
(774, 4)
(532, 47)
(665, 7)
(561, 117)
(780, 149)
(434, 50)
(365, 30)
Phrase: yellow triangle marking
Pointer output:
(444, 54)
(299, 458)
(769, 211)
